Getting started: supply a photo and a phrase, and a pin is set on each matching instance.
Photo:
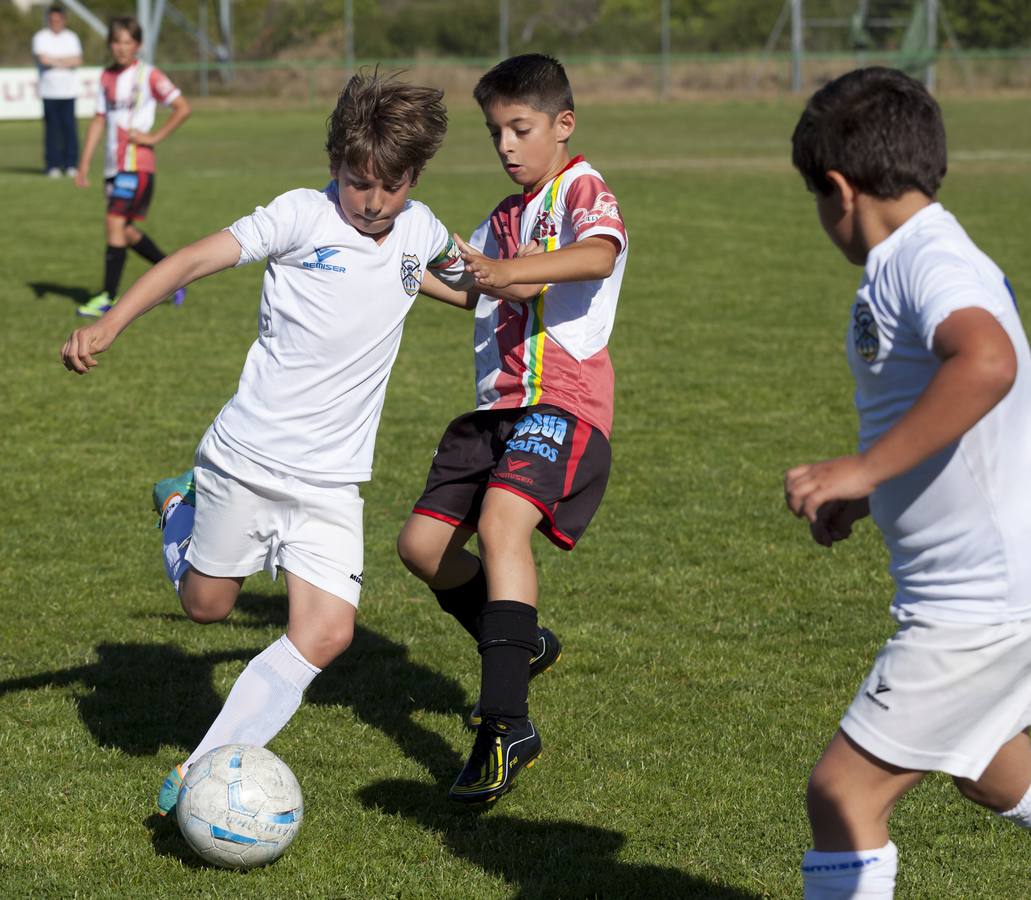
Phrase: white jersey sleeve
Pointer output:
(942, 282)
(270, 231)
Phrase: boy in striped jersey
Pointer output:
(130, 90)
(535, 453)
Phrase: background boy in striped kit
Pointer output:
(535, 453)
(130, 90)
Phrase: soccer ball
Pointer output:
(240, 806)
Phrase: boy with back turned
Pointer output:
(943, 392)
(535, 453)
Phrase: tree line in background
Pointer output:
(400, 29)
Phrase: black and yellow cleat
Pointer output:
(549, 651)
(500, 752)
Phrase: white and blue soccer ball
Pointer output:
(240, 806)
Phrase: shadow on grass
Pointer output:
(138, 697)
(77, 295)
(543, 859)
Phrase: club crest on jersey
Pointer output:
(864, 332)
(411, 274)
(544, 227)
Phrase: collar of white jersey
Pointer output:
(887, 247)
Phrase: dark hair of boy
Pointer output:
(879, 128)
(125, 23)
(385, 126)
(537, 80)
(55, 10)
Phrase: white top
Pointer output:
(128, 99)
(333, 305)
(958, 526)
(554, 349)
(56, 83)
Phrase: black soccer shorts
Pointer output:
(556, 461)
(129, 194)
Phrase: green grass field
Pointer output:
(710, 646)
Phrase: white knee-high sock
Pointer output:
(265, 696)
(177, 531)
(868, 874)
(1021, 813)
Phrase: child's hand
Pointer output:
(82, 179)
(141, 138)
(77, 352)
(489, 273)
(530, 249)
(807, 488)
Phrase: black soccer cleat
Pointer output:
(500, 752)
(549, 651)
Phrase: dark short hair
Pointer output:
(537, 80)
(125, 23)
(385, 125)
(879, 128)
(56, 9)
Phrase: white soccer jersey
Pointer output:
(128, 99)
(56, 83)
(958, 526)
(333, 305)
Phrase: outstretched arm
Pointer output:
(435, 289)
(978, 369)
(204, 257)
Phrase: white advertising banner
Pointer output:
(20, 100)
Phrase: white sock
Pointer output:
(868, 874)
(265, 696)
(177, 530)
(1021, 813)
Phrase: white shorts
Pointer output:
(944, 696)
(251, 518)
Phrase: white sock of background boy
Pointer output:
(869, 874)
(1021, 813)
(177, 529)
(263, 699)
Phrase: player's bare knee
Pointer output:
(420, 560)
(333, 639)
(982, 795)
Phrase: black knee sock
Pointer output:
(508, 638)
(114, 262)
(148, 250)
(466, 601)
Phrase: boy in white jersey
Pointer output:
(943, 391)
(275, 483)
(535, 453)
(127, 99)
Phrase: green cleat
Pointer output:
(95, 307)
(549, 652)
(499, 753)
(168, 796)
(169, 489)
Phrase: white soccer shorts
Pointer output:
(944, 696)
(251, 518)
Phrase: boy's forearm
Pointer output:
(204, 257)
(588, 260)
(966, 387)
(435, 289)
(180, 113)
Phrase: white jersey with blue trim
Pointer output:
(333, 305)
(958, 525)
